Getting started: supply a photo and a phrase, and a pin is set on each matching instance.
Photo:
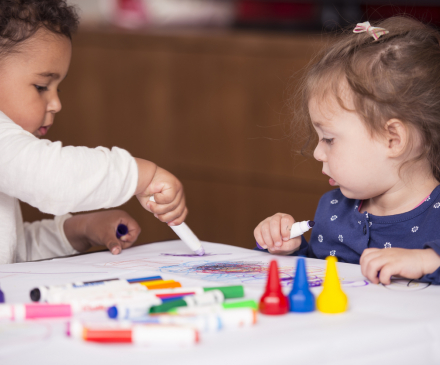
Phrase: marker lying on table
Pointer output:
(140, 334)
(296, 230)
(207, 322)
(211, 297)
(216, 308)
(187, 236)
(40, 293)
(229, 292)
(92, 293)
(19, 312)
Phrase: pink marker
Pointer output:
(20, 312)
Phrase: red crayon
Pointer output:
(273, 301)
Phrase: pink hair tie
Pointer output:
(375, 32)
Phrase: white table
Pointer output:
(398, 324)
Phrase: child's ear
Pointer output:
(397, 137)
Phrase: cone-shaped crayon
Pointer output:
(332, 299)
(273, 300)
(301, 298)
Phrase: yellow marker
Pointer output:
(332, 299)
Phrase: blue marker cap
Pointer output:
(301, 299)
(2, 297)
(112, 312)
(122, 230)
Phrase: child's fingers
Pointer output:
(259, 237)
(265, 232)
(385, 274)
(162, 207)
(114, 247)
(286, 223)
(275, 230)
(372, 263)
(178, 218)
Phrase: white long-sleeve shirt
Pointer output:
(56, 180)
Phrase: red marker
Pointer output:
(147, 335)
(19, 312)
(273, 300)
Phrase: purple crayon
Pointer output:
(297, 229)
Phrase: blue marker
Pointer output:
(301, 299)
(122, 230)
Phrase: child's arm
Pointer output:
(99, 229)
(378, 265)
(273, 234)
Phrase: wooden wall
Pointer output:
(209, 107)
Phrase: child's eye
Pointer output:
(40, 88)
(327, 140)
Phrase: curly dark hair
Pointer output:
(21, 19)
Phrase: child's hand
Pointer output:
(169, 205)
(410, 264)
(99, 229)
(273, 234)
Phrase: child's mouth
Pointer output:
(43, 130)
(331, 181)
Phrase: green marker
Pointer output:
(201, 295)
(210, 297)
(248, 303)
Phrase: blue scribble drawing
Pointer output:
(246, 272)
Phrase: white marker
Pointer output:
(296, 230)
(187, 236)
(300, 228)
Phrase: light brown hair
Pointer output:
(396, 76)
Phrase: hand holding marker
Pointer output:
(297, 229)
(187, 236)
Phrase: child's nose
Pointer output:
(54, 105)
(319, 153)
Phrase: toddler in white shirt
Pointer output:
(35, 52)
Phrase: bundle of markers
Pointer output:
(147, 311)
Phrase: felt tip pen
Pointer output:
(121, 231)
(187, 236)
(296, 230)
(40, 293)
(20, 312)
(141, 309)
(94, 293)
(215, 308)
(229, 292)
(122, 299)
(208, 298)
(207, 322)
(140, 334)
(2, 297)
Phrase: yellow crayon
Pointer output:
(332, 299)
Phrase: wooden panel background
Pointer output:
(211, 108)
